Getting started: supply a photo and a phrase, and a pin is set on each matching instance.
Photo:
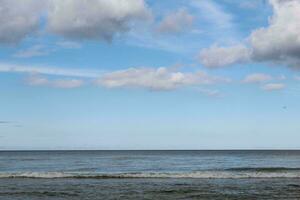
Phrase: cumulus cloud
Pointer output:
(37, 80)
(156, 79)
(72, 19)
(279, 42)
(18, 19)
(175, 22)
(257, 78)
(216, 56)
(273, 86)
(98, 19)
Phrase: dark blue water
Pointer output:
(150, 174)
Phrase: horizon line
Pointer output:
(252, 149)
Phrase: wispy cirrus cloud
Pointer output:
(210, 92)
(44, 50)
(150, 78)
(196, 22)
(219, 23)
(176, 22)
(34, 51)
(250, 4)
(257, 78)
(68, 44)
(214, 13)
(37, 80)
(273, 86)
(48, 70)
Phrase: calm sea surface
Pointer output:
(31, 175)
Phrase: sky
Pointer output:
(146, 74)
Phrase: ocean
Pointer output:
(80, 175)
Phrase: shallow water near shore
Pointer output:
(150, 175)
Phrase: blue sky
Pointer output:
(145, 74)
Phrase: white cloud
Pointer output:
(98, 19)
(215, 56)
(210, 20)
(18, 19)
(156, 79)
(37, 80)
(273, 86)
(34, 51)
(57, 71)
(279, 42)
(176, 22)
(142, 77)
(72, 19)
(257, 78)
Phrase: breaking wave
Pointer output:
(234, 173)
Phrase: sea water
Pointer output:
(30, 175)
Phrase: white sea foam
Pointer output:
(196, 175)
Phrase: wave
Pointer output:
(242, 173)
(264, 169)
